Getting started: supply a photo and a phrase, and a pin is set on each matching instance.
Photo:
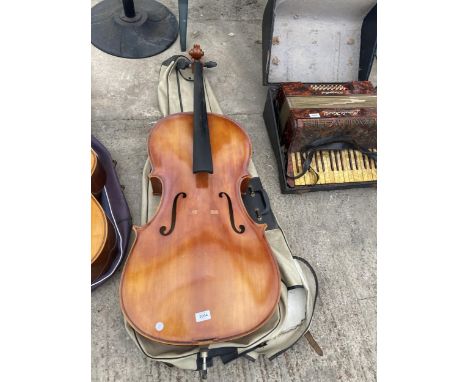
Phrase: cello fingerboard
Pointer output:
(335, 167)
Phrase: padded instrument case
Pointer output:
(293, 316)
(319, 43)
(115, 206)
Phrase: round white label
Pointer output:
(159, 326)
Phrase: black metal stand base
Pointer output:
(152, 30)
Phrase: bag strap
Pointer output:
(329, 143)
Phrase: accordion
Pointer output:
(328, 132)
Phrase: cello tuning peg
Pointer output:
(210, 64)
(183, 64)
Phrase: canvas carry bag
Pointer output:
(293, 315)
(115, 206)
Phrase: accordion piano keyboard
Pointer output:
(332, 167)
(328, 87)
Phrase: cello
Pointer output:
(103, 240)
(200, 271)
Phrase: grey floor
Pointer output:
(334, 231)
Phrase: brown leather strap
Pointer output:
(313, 343)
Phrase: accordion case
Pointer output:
(116, 209)
(323, 130)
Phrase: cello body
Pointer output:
(200, 271)
(103, 239)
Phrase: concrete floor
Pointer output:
(334, 231)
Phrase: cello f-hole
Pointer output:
(241, 228)
(163, 228)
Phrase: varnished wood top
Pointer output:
(98, 229)
(93, 161)
(203, 282)
(98, 175)
(102, 232)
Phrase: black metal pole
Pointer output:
(129, 8)
(183, 15)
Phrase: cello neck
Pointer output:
(202, 159)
